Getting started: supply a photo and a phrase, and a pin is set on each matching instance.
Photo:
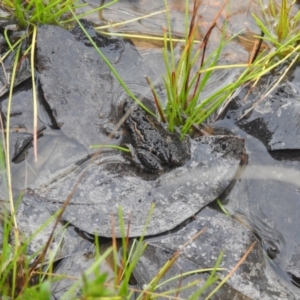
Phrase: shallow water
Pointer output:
(266, 198)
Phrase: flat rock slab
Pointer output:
(222, 234)
(274, 120)
(77, 85)
(36, 223)
(278, 117)
(111, 182)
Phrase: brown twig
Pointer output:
(241, 261)
(157, 104)
(175, 256)
(256, 48)
(27, 143)
(204, 45)
(123, 261)
(128, 231)
(114, 246)
(193, 25)
(179, 285)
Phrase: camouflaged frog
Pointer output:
(153, 148)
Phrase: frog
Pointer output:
(153, 148)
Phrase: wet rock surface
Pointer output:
(109, 183)
(272, 119)
(274, 219)
(81, 93)
(253, 280)
(55, 151)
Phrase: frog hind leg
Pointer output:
(145, 160)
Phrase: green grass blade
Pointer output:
(283, 27)
(169, 30)
(7, 40)
(110, 146)
(34, 94)
(210, 281)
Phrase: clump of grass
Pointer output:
(37, 11)
(155, 284)
(186, 78)
(56, 12)
(280, 26)
(184, 85)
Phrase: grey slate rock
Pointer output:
(110, 182)
(251, 281)
(82, 93)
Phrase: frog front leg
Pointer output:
(145, 160)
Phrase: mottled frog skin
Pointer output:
(153, 148)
